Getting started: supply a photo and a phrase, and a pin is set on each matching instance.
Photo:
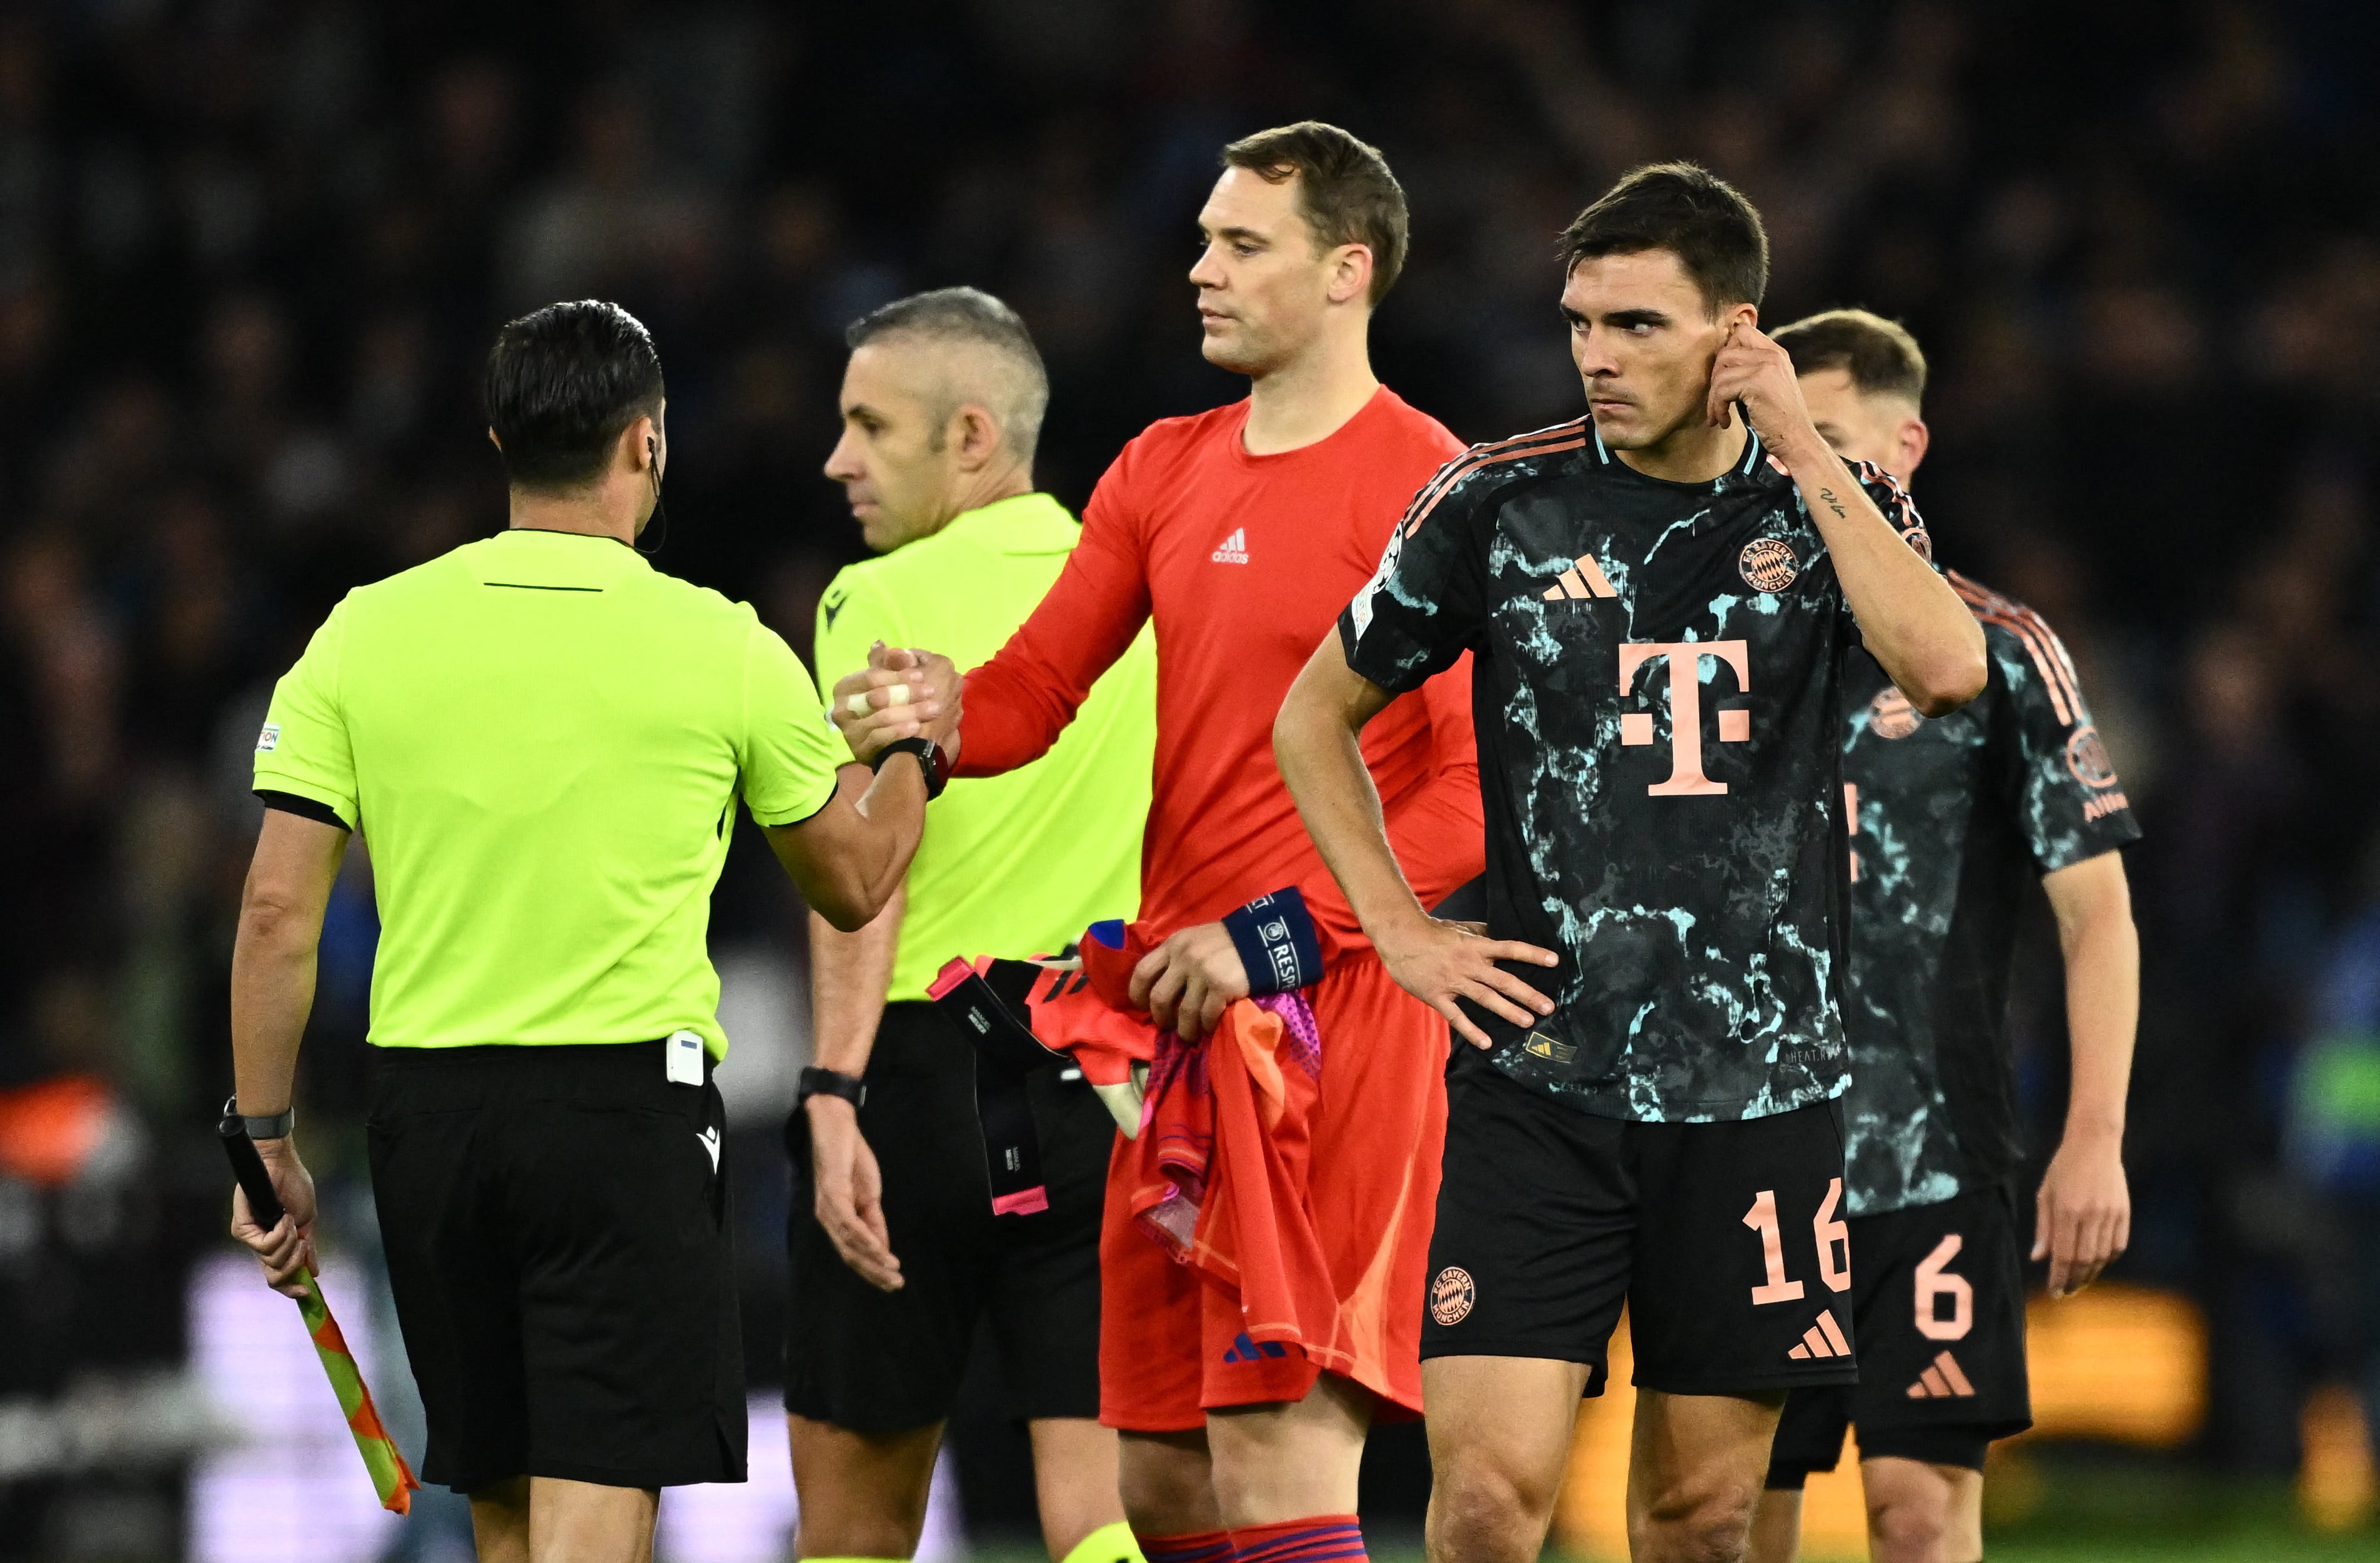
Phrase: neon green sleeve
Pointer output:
(303, 747)
(791, 748)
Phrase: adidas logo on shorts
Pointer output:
(1941, 1381)
(1246, 1350)
(1824, 1339)
(1234, 550)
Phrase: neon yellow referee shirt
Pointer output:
(542, 737)
(1020, 864)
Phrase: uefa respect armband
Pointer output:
(1277, 942)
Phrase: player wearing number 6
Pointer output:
(1658, 599)
(1952, 819)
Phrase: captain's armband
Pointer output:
(1275, 937)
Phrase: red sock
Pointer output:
(1191, 1547)
(1318, 1538)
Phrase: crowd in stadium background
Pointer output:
(251, 255)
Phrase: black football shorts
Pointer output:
(1724, 1240)
(557, 1235)
(1940, 1304)
(879, 1362)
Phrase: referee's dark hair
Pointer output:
(1880, 356)
(1691, 212)
(561, 384)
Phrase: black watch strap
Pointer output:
(831, 1082)
(276, 1127)
(930, 756)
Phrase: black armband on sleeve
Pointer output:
(304, 809)
(1277, 942)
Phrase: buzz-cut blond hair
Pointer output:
(1880, 356)
(1016, 390)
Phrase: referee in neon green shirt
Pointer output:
(897, 1257)
(543, 740)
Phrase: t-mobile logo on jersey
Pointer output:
(1685, 659)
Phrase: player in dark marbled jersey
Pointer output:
(1954, 817)
(1658, 599)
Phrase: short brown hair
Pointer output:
(1880, 356)
(1344, 191)
(1691, 212)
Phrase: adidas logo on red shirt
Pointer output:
(1234, 550)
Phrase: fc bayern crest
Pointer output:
(2087, 759)
(1890, 715)
(1768, 565)
(1451, 1295)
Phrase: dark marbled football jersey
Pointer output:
(1955, 818)
(1657, 690)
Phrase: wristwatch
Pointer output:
(829, 1082)
(930, 756)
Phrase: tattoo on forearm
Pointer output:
(1832, 503)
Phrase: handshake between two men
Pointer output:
(903, 692)
(1185, 983)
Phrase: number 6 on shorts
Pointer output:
(1933, 1282)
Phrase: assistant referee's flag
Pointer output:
(392, 1478)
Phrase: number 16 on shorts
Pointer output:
(1829, 1235)
(1829, 1244)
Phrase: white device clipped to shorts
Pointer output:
(681, 1056)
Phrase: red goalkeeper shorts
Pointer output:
(1170, 1343)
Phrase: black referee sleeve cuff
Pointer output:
(304, 809)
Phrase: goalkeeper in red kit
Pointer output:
(1241, 532)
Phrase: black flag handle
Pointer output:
(249, 1168)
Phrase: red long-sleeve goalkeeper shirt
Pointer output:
(1245, 562)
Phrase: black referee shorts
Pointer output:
(879, 1362)
(557, 1236)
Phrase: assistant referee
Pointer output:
(897, 1257)
(543, 739)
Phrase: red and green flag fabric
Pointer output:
(392, 1478)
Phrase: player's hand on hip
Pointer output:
(1754, 370)
(1439, 961)
(902, 693)
(289, 1246)
(2083, 1221)
(1186, 983)
(850, 1192)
